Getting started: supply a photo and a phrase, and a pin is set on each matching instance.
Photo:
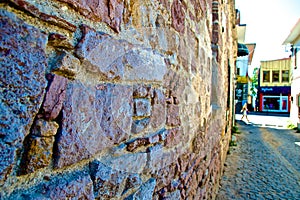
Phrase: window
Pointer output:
(285, 76)
(266, 76)
(275, 76)
(275, 103)
(271, 103)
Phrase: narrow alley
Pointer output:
(265, 164)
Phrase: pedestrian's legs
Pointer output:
(247, 118)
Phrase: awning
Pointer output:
(242, 50)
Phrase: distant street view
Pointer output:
(263, 163)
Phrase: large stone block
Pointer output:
(94, 118)
(142, 91)
(159, 159)
(22, 85)
(140, 125)
(28, 7)
(39, 147)
(174, 137)
(144, 65)
(133, 181)
(174, 83)
(108, 183)
(178, 16)
(55, 96)
(173, 115)
(75, 185)
(158, 110)
(114, 59)
(142, 107)
(145, 191)
(39, 154)
(7, 153)
(130, 163)
(115, 109)
(66, 65)
(108, 11)
(99, 53)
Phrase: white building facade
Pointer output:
(293, 39)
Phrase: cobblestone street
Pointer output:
(265, 164)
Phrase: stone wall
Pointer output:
(112, 99)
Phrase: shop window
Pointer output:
(271, 103)
(285, 76)
(275, 103)
(275, 76)
(266, 76)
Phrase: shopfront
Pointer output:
(274, 99)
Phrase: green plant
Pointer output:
(232, 143)
(290, 125)
(235, 129)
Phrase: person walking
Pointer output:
(245, 112)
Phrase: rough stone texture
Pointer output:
(94, 118)
(131, 163)
(145, 191)
(39, 145)
(178, 16)
(143, 65)
(142, 107)
(158, 111)
(34, 11)
(22, 83)
(174, 137)
(60, 41)
(42, 128)
(38, 155)
(136, 101)
(108, 183)
(66, 65)
(133, 181)
(99, 53)
(139, 126)
(75, 185)
(115, 59)
(115, 111)
(55, 97)
(173, 118)
(141, 91)
(109, 11)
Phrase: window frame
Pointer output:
(264, 76)
(288, 76)
(277, 72)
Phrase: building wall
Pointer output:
(242, 66)
(295, 87)
(241, 89)
(272, 66)
(275, 88)
(115, 99)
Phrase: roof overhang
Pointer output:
(294, 36)
(251, 48)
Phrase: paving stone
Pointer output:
(260, 167)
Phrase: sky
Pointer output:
(268, 24)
